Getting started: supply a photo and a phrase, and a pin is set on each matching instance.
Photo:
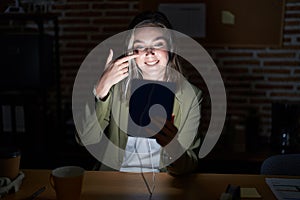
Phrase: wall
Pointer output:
(254, 77)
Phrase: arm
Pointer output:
(188, 162)
(95, 120)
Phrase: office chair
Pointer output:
(285, 164)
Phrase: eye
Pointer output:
(159, 45)
(139, 48)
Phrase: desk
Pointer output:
(130, 186)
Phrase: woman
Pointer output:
(150, 57)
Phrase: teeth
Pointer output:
(152, 62)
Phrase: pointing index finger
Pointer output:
(126, 58)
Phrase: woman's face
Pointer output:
(151, 46)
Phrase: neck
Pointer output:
(154, 76)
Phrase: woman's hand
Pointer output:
(167, 133)
(114, 73)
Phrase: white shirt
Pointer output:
(141, 155)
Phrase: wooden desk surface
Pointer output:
(120, 185)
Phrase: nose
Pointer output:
(149, 51)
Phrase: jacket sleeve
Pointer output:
(188, 162)
(94, 121)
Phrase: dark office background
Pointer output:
(262, 84)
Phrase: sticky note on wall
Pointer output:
(227, 17)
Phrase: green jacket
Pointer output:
(187, 119)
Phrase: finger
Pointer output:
(150, 132)
(121, 77)
(170, 132)
(120, 71)
(171, 126)
(162, 140)
(172, 118)
(125, 59)
(124, 70)
(158, 121)
(123, 65)
(168, 123)
(110, 56)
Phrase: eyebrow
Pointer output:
(158, 38)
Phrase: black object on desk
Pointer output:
(235, 191)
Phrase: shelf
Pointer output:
(40, 114)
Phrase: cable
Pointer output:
(151, 160)
(142, 173)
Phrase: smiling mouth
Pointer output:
(151, 63)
